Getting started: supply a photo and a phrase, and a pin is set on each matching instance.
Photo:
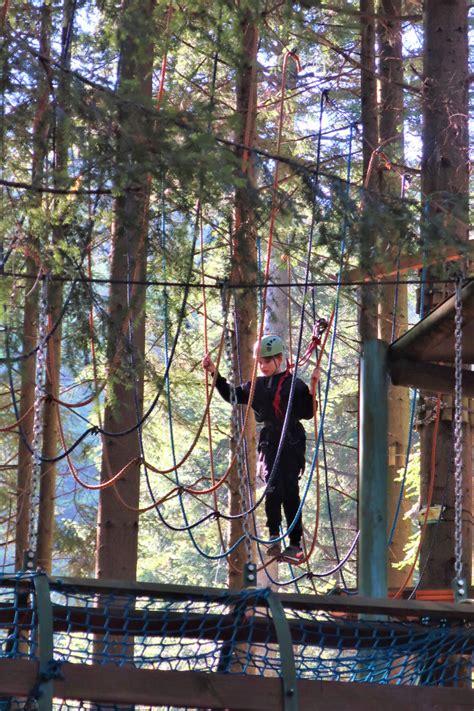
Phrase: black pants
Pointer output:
(283, 490)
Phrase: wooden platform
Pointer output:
(139, 684)
(127, 685)
(422, 357)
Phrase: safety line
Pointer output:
(376, 281)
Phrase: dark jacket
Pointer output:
(264, 396)
(263, 404)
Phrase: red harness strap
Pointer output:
(277, 399)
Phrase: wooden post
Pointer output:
(373, 462)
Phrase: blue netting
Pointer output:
(235, 633)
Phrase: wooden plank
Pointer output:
(353, 604)
(429, 376)
(347, 696)
(94, 585)
(432, 338)
(127, 685)
(381, 270)
(328, 633)
(357, 604)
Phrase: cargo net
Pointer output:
(232, 633)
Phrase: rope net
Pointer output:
(234, 633)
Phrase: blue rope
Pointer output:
(331, 358)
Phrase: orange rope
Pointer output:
(164, 59)
(200, 428)
(314, 539)
(273, 214)
(309, 552)
(290, 323)
(9, 428)
(72, 468)
(208, 395)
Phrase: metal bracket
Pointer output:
(285, 644)
(46, 646)
(250, 575)
(459, 589)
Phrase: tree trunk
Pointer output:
(244, 269)
(393, 299)
(276, 316)
(445, 192)
(55, 302)
(118, 525)
(373, 474)
(370, 141)
(30, 314)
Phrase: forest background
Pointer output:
(138, 150)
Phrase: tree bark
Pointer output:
(118, 525)
(370, 141)
(30, 314)
(393, 299)
(445, 177)
(55, 302)
(244, 269)
(373, 469)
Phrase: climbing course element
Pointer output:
(97, 628)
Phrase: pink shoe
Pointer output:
(293, 553)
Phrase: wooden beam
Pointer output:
(428, 335)
(220, 628)
(110, 684)
(381, 270)
(429, 376)
(353, 604)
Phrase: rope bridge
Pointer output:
(84, 640)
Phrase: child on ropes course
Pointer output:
(270, 403)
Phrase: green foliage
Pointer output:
(412, 493)
(75, 547)
(178, 159)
